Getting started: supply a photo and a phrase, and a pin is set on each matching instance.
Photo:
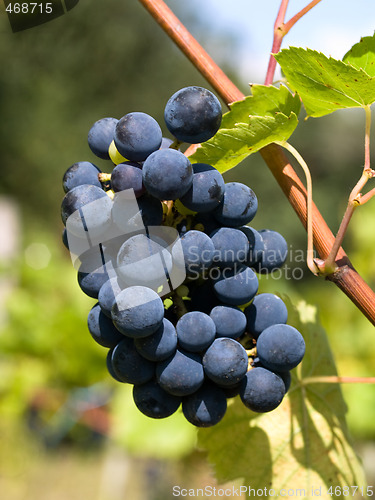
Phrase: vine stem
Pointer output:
(337, 380)
(278, 35)
(310, 236)
(280, 30)
(346, 277)
(355, 199)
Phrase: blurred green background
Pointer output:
(68, 430)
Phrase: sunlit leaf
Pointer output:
(269, 115)
(325, 84)
(362, 55)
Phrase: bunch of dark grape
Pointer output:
(165, 249)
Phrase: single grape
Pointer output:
(198, 251)
(91, 282)
(195, 331)
(265, 310)
(102, 329)
(256, 245)
(275, 251)
(107, 295)
(86, 211)
(160, 345)
(127, 176)
(262, 390)
(206, 407)
(137, 135)
(101, 135)
(167, 174)
(280, 347)
(129, 366)
(138, 311)
(206, 191)
(153, 401)
(225, 362)
(235, 286)
(181, 374)
(193, 114)
(82, 172)
(231, 246)
(144, 260)
(230, 321)
(239, 205)
(110, 366)
(64, 237)
(132, 214)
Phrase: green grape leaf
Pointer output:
(268, 115)
(263, 101)
(362, 55)
(325, 84)
(303, 444)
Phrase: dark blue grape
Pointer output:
(101, 135)
(193, 114)
(195, 331)
(239, 205)
(265, 310)
(86, 211)
(231, 246)
(181, 374)
(127, 175)
(207, 190)
(102, 329)
(82, 172)
(91, 282)
(287, 379)
(235, 286)
(138, 311)
(225, 362)
(280, 347)
(132, 215)
(107, 295)
(129, 366)
(137, 135)
(153, 401)
(64, 237)
(144, 260)
(160, 345)
(275, 251)
(198, 251)
(110, 366)
(206, 407)
(167, 174)
(230, 321)
(256, 245)
(262, 390)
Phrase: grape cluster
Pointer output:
(165, 248)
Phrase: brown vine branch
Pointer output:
(346, 277)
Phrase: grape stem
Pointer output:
(355, 199)
(280, 30)
(310, 236)
(346, 277)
